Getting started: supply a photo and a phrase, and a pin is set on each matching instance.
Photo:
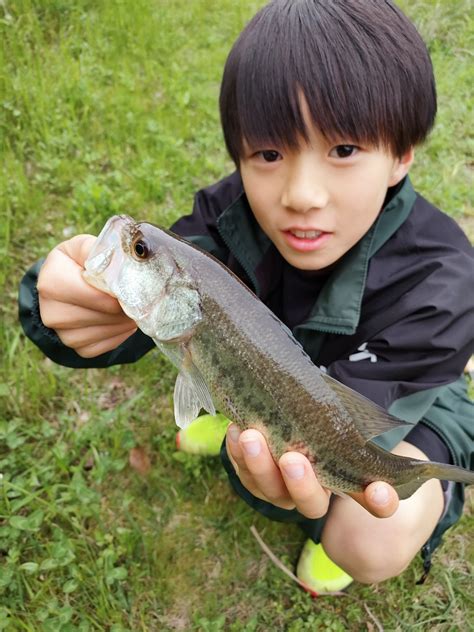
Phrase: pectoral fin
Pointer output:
(190, 395)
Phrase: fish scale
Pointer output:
(235, 356)
(292, 389)
(308, 432)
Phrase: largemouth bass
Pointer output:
(234, 355)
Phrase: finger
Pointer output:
(89, 336)
(78, 248)
(58, 315)
(235, 452)
(310, 498)
(379, 498)
(263, 469)
(233, 446)
(61, 279)
(93, 350)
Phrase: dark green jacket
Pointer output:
(394, 320)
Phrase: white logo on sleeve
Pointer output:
(364, 354)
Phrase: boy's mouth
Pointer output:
(305, 240)
(305, 234)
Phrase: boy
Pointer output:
(322, 104)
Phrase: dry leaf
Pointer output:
(140, 461)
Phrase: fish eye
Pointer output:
(140, 249)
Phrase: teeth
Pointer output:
(306, 234)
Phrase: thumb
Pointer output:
(379, 498)
(78, 248)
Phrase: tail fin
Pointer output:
(421, 471)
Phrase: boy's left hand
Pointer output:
(292, 482)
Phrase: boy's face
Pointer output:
(317, 201)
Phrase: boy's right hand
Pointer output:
(292, 482)
(85, 319)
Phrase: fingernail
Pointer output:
(380, 495)
(252, 448)
(294, 470)
(234, 433)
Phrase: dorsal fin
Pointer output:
(369, 418)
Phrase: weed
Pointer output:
(112, 107)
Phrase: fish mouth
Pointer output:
(108, 243)
(98, 262)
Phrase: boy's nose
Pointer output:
(303, 191)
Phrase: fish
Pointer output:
(235, 356)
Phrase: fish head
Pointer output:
(139, 264)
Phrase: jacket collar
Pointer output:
(337, 309)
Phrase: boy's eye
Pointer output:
(270, 155)
(343, 151)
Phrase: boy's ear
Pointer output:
(402, 166)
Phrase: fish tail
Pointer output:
(421, 471)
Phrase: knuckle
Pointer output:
(116, 308)
(46, 317)
(86, 352)
(247, 481)
(275, 497)
(311, 512)
(280, 501)
(308, 497)
(66, 337)
(47, 284)
(43, 287)
(312, 506)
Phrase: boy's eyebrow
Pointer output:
(371, 77)
(331, 140)
(301, 137)
(250, 146)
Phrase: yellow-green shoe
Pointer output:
(319, 573)
(203, 436)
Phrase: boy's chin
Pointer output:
(309, 262)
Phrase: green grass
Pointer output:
(110, 107)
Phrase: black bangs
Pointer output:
(360, 65)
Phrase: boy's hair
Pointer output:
(361, 66)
